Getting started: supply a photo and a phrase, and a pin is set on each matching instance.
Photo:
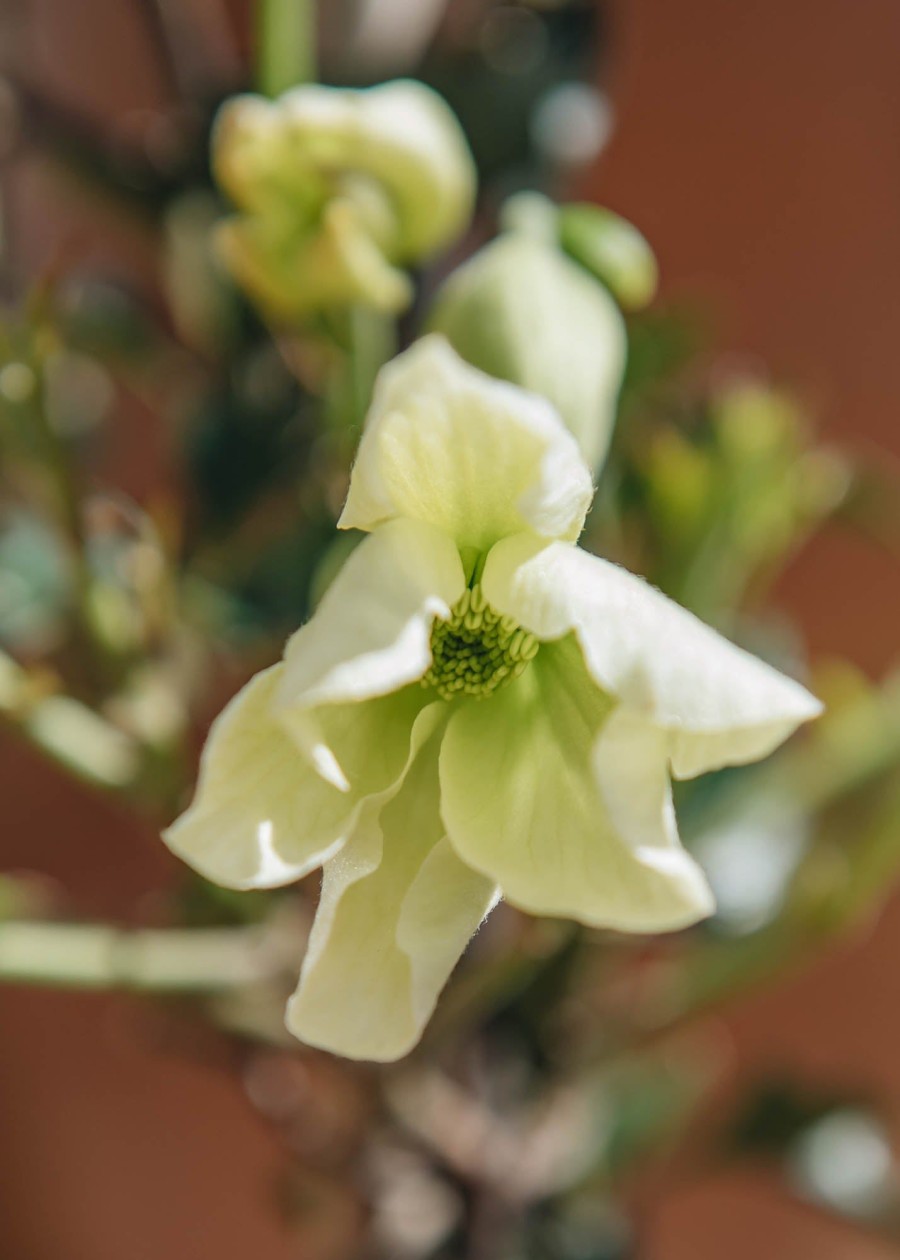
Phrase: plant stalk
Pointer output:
(285, 45)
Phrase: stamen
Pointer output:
(477, 650)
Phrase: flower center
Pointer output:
(477, 650)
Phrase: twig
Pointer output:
(89, 956)
(285, 44)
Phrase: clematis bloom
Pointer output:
(338, 190)
(478, 708)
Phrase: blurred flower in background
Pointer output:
(336, 188)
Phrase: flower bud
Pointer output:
(520, 310)
(612, 250)
(339, 190)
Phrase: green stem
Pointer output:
(285, 45)
(89, 956)
(360, 341)
(373, 340)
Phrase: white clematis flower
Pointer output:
(339, 189)
(477, 708)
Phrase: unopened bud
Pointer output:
(612, 250)
(520, 310)
(338, 190)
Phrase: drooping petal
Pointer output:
(292, 275)
(545, 791)
(476, 457)
(261, 815)
(631, 768)
(291, 154)
(250, 154)
(402, 135)
(397, 909)
(266, 811)
(370, 634)
(719, 705)
(343, 264)
(360, 746)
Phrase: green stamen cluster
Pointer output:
(477, 650)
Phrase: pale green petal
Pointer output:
(338, 265)
(371, 633)
(397, 909)
(565, 807)
(250, 156)
(631, 769)
(342, 264)
(264, 268)
(521, 310)
(719, 705)
(360, 746)
(402, 135)
(369, 641)
(340, 188)
(476, 457)
(261, 815)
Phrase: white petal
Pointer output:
(397, 909)
(531, 795)
(476, 457)
(261, 816)
(719, 705)
(371, 633)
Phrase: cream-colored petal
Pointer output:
(263, 263)
(341, 189)
(371, 633)
(343, 265)
(631, 769)
(359, 747)
(261, 815)
(397, 909)
(568, 344)
(251, 158)
(718, 704)
(404, 136)
(569, 810)
(477, 458)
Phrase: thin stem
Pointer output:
(76, 739)
(285, 45)
(373, 340)
(89, 956)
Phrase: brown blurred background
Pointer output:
(757, 145)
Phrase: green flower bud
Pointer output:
(338, 191)
(612, 250)
(520, 310)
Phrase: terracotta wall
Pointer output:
(757, 145)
